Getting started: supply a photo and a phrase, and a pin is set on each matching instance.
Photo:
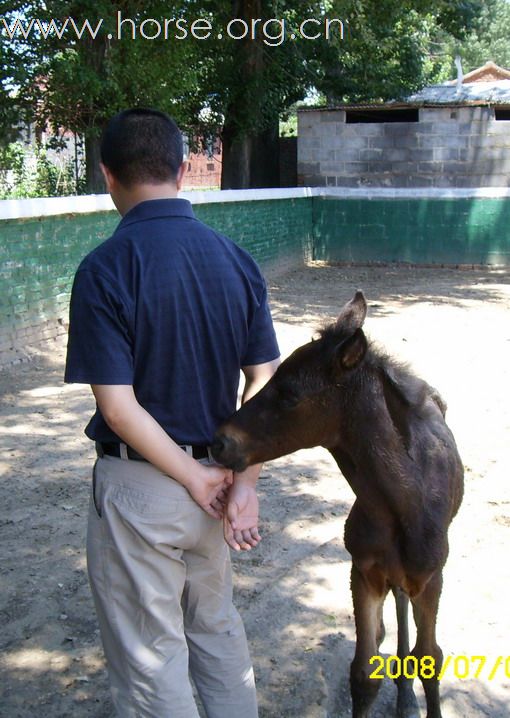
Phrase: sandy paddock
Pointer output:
(293, 590)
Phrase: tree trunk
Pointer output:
(249, 154)
(265, 158)
(235, 158)
(93, 175)
(250, 161)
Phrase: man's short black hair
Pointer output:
(142, 146)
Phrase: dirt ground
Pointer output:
(293, 590)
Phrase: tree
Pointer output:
(77, 83)
(258, 78)
(389, 49)
(10, 111)
(489, 38)
(381, 50)
(254, 64)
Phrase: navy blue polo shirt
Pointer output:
(174, 309)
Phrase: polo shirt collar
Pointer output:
(156, 208)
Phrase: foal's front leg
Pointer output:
(368, 596)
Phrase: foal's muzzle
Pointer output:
(226, 450)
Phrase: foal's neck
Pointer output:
(375, 446)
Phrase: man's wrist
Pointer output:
(249, 476)
(188, 472)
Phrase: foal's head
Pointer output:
(298, 408)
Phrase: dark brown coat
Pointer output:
(386, 429)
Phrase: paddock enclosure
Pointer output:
(293, 589)
(43, 240)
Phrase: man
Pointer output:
(163, 316)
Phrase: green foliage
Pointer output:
(242, 86)
(490, 38)
(389, 52)
(27, 172)
(12, 169)
(288, 127)
(79, 84)
(487, 38)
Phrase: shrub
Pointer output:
(27, 171)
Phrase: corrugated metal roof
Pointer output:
(471, 91)
(361, 106)
(480, 93)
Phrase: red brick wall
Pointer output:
(202, 170)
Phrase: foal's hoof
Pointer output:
(409, 713)
(407, 706)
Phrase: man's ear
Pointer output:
(109, 179)
(180, 176)
(351, 352)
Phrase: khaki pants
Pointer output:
(161, 580)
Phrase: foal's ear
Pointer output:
(351, 352)
(353, 314)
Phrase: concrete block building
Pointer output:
(456, 134)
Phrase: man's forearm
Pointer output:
(137, 428)
(255, 380)
(257, 376)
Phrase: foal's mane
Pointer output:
(397, 376)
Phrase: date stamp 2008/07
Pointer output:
(461, 667)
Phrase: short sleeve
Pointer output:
(262, 345)
(99, 349)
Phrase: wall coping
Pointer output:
(51, 206)
(86, 204)
(412, 193)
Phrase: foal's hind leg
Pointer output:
(368, 597)
(425, 607)
(407, 705)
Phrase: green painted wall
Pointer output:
(276, 231)
(421, 231)
(38, 257)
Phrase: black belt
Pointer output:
(111, 448)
